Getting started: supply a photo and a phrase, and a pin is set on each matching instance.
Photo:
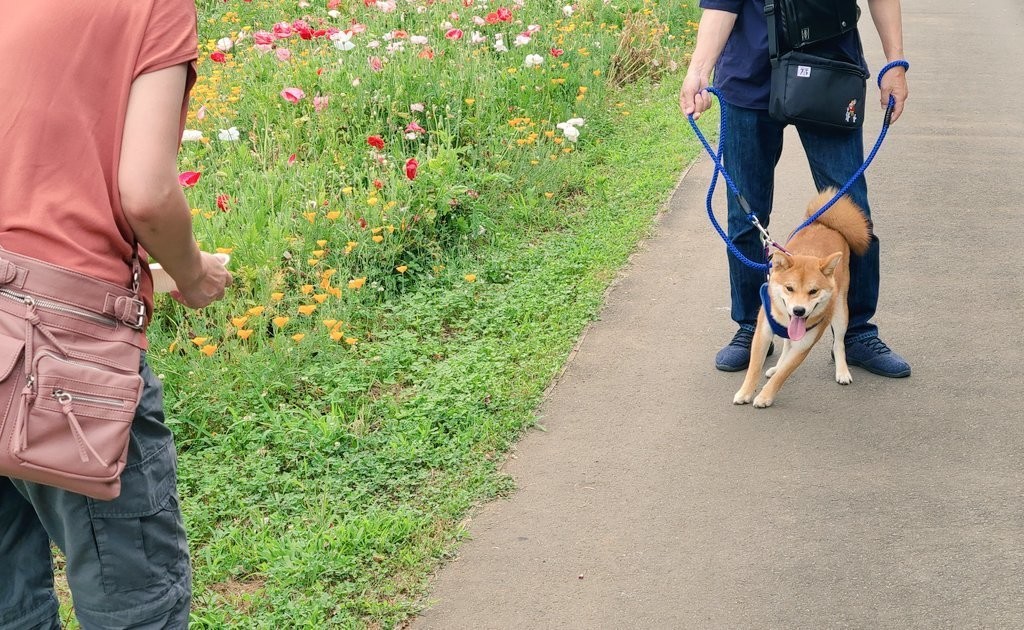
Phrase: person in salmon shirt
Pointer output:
(95, 97)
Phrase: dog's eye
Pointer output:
(789, 288)
(812, 292)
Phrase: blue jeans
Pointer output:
(753, 146)
(127, 559)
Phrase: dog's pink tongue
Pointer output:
(797, 328)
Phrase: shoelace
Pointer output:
(876, 345)
(742, 338)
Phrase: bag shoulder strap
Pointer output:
(773, 33)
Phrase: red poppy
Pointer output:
(222, 202)
(376, 142)
(378, 184)
(188, 179)
(218, 57)
(504, 14)
(411, 166)
(556, 52)
(454, 33)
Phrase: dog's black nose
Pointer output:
(799, 311)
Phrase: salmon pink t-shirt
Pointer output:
(66, 69)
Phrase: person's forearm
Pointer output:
(164, 229)
(712, 34)
(888, 18)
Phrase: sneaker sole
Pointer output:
(903, 374)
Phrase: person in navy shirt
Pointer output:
(732, 41)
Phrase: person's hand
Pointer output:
(207, 287)
(894, 82)
(694, 97)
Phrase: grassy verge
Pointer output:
(304, 515)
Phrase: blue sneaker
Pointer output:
(873, 355)
(736, 356)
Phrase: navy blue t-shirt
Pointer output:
(743, 72)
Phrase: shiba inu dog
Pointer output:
(807, 294)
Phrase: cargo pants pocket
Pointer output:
(140, 536)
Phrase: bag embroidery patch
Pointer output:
(851, 112)
(803, 71)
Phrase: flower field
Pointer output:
(423, 202)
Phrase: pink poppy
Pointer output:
(282, 30)
(292, 94)
(188, 179)
(283, 54)
(556, 52)
(291, 159)
(504, 14)
(264, 38)
(320, 103)
(454, 33)
(376, 64)
(414, 127)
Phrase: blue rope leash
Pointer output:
(745, 206)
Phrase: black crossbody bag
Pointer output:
(806, 88)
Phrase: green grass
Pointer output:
(324, 478)
(329, 491)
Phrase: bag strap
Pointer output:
(773, 34)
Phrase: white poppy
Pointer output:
(191, 135)
(532, 61)
(229, 135)
(343, 40)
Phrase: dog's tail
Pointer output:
(844, 217)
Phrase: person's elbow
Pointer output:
(145, 200)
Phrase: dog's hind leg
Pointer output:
(840, 321)
(758, 353)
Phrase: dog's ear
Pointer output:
(828, 265)
(780, 261)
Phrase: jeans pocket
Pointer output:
(140, 536)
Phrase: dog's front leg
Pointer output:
(785, 367)
(758, 353)
(840, 321)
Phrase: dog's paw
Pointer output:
(763, 401)
(843, 376)
(770, 372)
(742, 398)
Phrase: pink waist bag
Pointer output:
(70, 347)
